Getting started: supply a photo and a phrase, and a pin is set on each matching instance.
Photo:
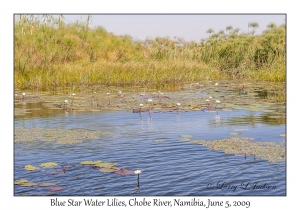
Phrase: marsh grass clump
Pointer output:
(271, 151)
(48, 52)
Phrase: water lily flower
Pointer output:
(207, 100)
(95, 92)
(66, 101)
(149, 100)
(120, 92)
(141, 105)
(138, 171)
(210, 97)
(217, 102)
(107, 93)
(23, 94)
(178, 104)
(216, 84)
(73, 94)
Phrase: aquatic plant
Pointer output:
(30, 167)
(56, 188)
(122, 171)
(217, 102)
(271, 151)
(48, 164)
(20, 181)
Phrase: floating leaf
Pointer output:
(98, 161)
(30, 167)
(46, 184)
(105, 165)
(48, 164)
(87, 162)
(159, 140)
(108, 170)
(57, 188)
(20, 181)
(28, 184)
(122, 171)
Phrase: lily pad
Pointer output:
(46, 184)
(105, 165)
(98, 161)
(122, 171)
(30, 167)
(48, 164)
(21, 181)
(87, 162)
(108, 170)
(28, 184)
(57, 188)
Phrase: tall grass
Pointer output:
(49, 52)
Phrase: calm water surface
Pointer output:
(171, 167)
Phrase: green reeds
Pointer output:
(49, 52)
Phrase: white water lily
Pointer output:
(141, 104)
(210, 97)
(23, 94)
(120, 92)
(216, 84)
(73, 94)
(66, 101)
(207, 100)
(138, 171)
(107, 93)
(149, 100)
(178, 104)
(217, 101)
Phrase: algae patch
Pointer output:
(271, 151)
(59, 136)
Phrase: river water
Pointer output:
(171, 165)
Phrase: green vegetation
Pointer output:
(49, 52)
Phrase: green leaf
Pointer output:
(108, 170)
(48, 164)
(87, 162)
(105, 165)
(30, 167)
(20, 181)
(28, 184)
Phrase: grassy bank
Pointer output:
(49, 52)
